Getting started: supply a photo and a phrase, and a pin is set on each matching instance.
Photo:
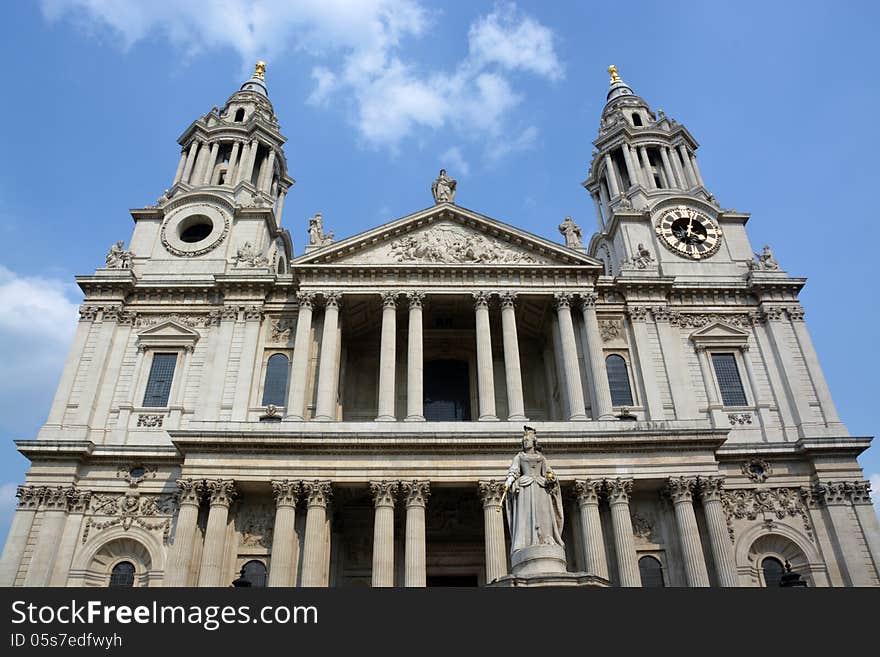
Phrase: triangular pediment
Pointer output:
(446, 234)
(168, 333)
(720, 334)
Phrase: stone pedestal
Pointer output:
(584, 580)
(537, 560)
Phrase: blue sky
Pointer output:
(376, 96)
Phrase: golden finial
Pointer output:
(614, 75)
(260, 70)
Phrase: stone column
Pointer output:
(211, 162)
(282, 567)
(190, 160)
(182, 163)
(279, 206)
(587, 492)
(686, 164)
(667, 167)
(601, 393)
(242, 162)
(296, 395)
(198, 172)
(631, 169)
(597, 205)
(387, 358)
(253, 317)
(78, 505)
(493, 527)
(512, 372)
(577, 409)
(696, 169)
(417, 493)
(220, 495)
(268, 171)
(415, 360)
(232, 168)
(649, 175)
(860, 495)
(54, 504)
(485, 374)
(328, 368)
(28, 502)
(384, 493)
(624, 543)
(611, 176)
(722, 548)
(639, 317)
(248, 165)
(189, 497)
(676, 167)
(314, 562)
(680, 489)
(855, 559)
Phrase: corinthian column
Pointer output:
(415, 360)
(296, 399)
(220, 492)
(189, 496)
(587, 492)
(387, 353)
(55, 504)
(680, 489)
(328, 368)
(722, 550)
(485, 374)
(493, 527)
(512, 372)
(417, 493)
(384, 493)
(282, 571)
(28, 501)
(624, 544)
(315, 548)
(570, 357)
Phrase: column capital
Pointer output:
(417, 492)
(286, 492)
(317, 492)
(587, 491)
(481, 299)
(190, 492)
(508, 299)
(384, 492)
(637, 313)
(29, 497)
(415, 299)
(57, 498)
(332, 299)
(79, 500)
(681, 489)
(562, 300)
(618, 490)
(711, 488)
(860, 492)
(589, 299)
(221, 492)
(491, 492)
(253, 313)
(389, 299)
(306, 299)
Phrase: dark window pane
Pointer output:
(255, 573)
(732, 393)
(618, 381)
(651, 572)
(447, 391)
(159, 383)
(122, 575)
(275, 388)
(773, 570)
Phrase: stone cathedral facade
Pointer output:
(345, 416)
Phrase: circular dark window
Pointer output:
(756, 469)
(195, 229)
(137, 473)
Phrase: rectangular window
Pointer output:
(727, 373)
(159, 383)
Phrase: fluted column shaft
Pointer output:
(268, 171)
(417, 493)
(611, 175)
(16, 541)
(232, 169)
(384, 493)
(649, 171)
(190, 160)
(211, 161)
(719, 539)
(182, 163)
(54, 504)
(485, 375)
(415, 360)
(681, 491)
(624, 544)
(601, 393)
(189, 497)
(315, 548)
(387, 358)
(282, 571)
(587, 492)
(279, 206)
(221, 492)
(493, 527)
(328, 368)
(577, 409)
(667, 168)
(686, 164)
(512, 370)
(630, 168)
(296, 399)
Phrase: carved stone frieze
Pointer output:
(610, 329)
(448, 244)
(195, 320)
(765, 504)
(698, 320)
(29, 497)
(739, 418)
(255, 525)
(150, 420)
(149, 512)
(281, 329)
(642, 527)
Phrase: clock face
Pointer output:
(688, 232)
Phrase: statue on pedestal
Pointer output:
(443, 188)
(572, 233)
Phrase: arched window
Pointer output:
(122, 575)
(618, 381)
(239, 115)
(255, 573)
(773, 571)
(651, 573)
(637, 120)
(275, 386)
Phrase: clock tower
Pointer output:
(655, 214)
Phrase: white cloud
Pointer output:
(513, 143)
(875, 491)
(453, 161)
(359, 45)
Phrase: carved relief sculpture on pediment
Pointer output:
(448, 244)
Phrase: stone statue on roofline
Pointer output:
(443, 188)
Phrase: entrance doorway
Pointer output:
(452, 580)
(447, 391)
